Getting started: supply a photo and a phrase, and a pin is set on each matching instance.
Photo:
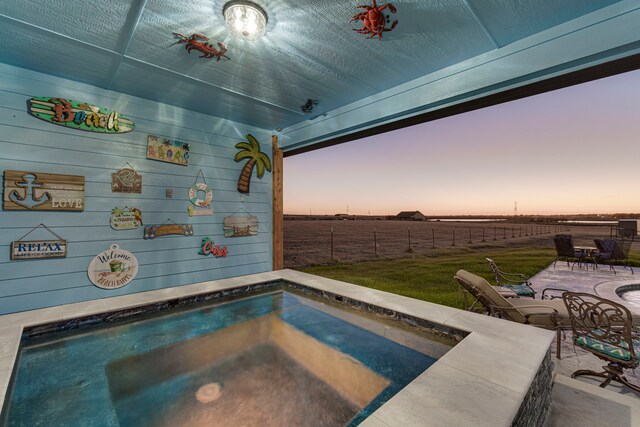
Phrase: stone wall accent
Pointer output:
(536, 403)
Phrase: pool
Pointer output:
(461, 387)
(625, 292)
(277, 358)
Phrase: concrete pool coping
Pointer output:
(611, 291)
(482, 381)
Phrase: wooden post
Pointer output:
(494, 232)
(483, 240)
(453, 243)
(375, 242)
(331, 243)
(469, 234)
(278, 206)
(409, 233)
(433, 238)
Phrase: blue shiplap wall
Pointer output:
(29, 144)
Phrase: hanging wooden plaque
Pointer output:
(151, 232)
(126, 180)
(240, 226)
(167, 150)
(42, 191)
(125, 218)
(33, 249)
(79, 115)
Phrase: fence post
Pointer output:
(433, 238)
(526, 230)
(409, 233)
(331, 243)
(454, 238)
(469, 234)
(483, 235)
(375, 242)
(494, 232)
(512, 235)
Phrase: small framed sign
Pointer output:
(167, 150)
(126, 180)
(34, 249)
(151, 232)
(240, 226)
(125, 218)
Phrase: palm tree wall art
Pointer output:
(250, 151)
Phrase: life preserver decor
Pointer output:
(255, 158)
(113, 268)
(79, 115)
(196, 199)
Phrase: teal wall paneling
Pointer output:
(29, 144)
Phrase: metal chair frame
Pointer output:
(603, 321)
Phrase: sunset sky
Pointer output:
(575, 150)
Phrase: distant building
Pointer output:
(411, 216)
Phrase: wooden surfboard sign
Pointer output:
(34, 249)
(79, 115)
(37, 191)
(153, 231)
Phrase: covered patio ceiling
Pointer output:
(442, 54)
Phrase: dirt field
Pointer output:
(308, 242)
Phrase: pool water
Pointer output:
(632, 296)
(268, 360)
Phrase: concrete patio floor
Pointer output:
(581, 402)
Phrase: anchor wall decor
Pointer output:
(42, 191)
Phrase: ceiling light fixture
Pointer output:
(245, 19)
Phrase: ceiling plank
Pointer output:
(474, 12)
(130, 27)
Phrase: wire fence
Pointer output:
(321, 242)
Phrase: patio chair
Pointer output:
(612, 251)
(515, 282)
(567, 252)
(549, 314)
(604, 328)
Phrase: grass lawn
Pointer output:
(431, 278)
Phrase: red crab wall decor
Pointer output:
(373, 20)
(207, 49)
